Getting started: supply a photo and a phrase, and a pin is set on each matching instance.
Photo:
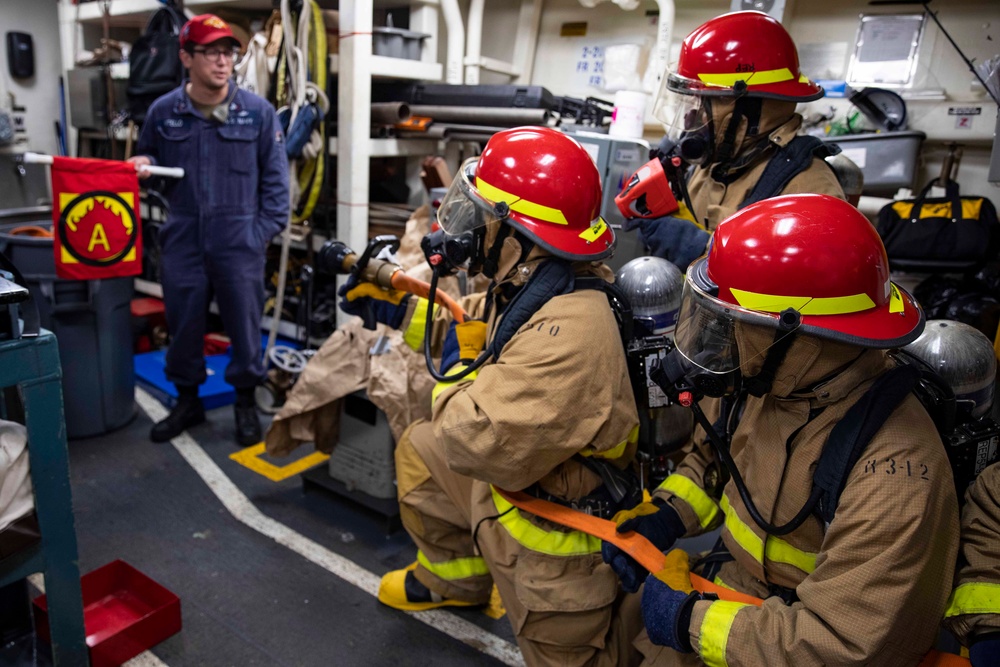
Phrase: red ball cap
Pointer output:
(205, 29)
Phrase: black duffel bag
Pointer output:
(953, 233)
(154, 62)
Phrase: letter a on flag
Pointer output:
(95, 217)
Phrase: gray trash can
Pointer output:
(92, 323)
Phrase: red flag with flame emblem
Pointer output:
(95, 216)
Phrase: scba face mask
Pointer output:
(465, 216)
(707, 336)
(686, 119)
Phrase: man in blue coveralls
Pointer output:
(232, 200)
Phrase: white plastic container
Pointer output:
(628, 115)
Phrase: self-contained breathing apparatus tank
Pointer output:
(964, 358)
(653, 287)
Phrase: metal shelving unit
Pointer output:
(356, 65)
(30, 368)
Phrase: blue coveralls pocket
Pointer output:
(176, 147)
(238, 148)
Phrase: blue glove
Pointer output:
(667, 614)
(658, 522)
(985, 652)
(674, 239)
(373, 304)
(450, 352)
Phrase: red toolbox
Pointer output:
(124, 613)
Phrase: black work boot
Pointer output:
(187, 412)
(248, 431)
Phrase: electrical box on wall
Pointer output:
(773, 8)
(20, 55)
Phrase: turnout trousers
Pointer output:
(564, 604)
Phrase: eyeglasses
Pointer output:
(214, 53)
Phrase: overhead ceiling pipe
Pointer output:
(455, 43)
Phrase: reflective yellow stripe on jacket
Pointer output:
(975, 597)
(441, 386)
(704, 507)
(776, 551)
(413, 334)
(551, 542)
(715, 631)
(452, 570)
(615, 452)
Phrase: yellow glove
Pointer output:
(471, 338)
(642, 509)
(373, 291)
(676, 571)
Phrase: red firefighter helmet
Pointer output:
(816, 255)
(751, 47)
(539, 181)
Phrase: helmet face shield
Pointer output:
(705, 336)
(707, 329)
(679, 107)
(464, 208)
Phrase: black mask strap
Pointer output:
(760, 384)
(697, 147)
(492, 262)
(745, 107)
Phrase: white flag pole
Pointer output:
(170, 172)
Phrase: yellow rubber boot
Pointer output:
(400, 589)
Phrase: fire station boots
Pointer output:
(400, 589)
(247, 422)
(186, 413)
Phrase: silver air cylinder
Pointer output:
(653, 287)
(964, 358)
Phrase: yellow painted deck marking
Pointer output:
(250, 458)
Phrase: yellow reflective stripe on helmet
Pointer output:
(974, 598)
(592, 233)
(715, 629)
(896, 303)
(413, 335)
(537, 211)
(805, 305)
(453, 570)
(777, 550)
(444, 384)
(752, 78)
(704, 507)
(615, 452)
(551, 542)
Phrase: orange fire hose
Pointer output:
(401, 281)
(634, 544)
(651, 558)
(391, 276)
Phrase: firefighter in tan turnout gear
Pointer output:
(551, 412)
(789, 317)
(729, 106)
(974, 608)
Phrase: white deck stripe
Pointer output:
(243, 510)
(144, 659)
